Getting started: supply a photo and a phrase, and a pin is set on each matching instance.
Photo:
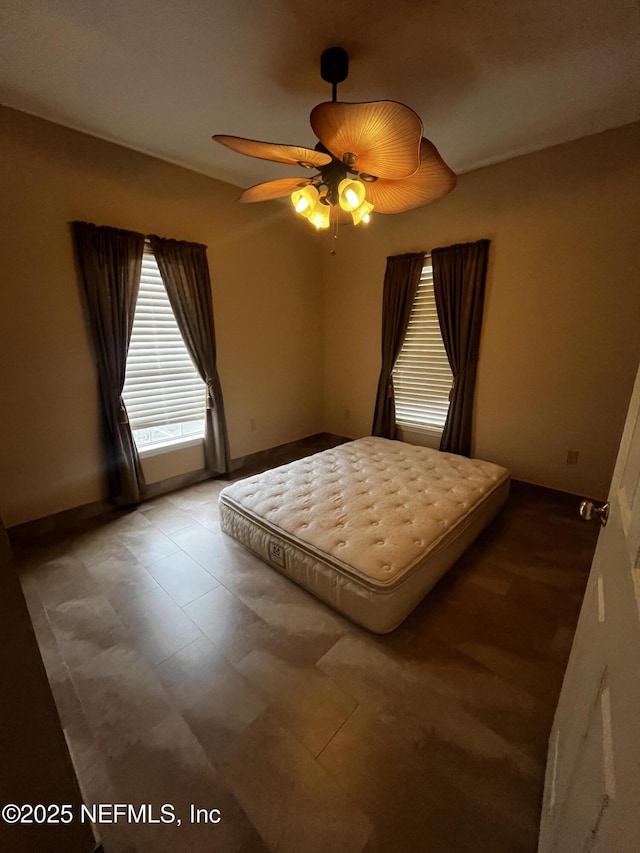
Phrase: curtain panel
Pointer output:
(109, 262)
(401, 280)
(459, 276)
(185, 274)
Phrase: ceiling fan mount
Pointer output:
(334, 67)
(369, 156)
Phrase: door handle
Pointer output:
(589, 511)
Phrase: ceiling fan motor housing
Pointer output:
(331, 174)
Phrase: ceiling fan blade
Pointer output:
(433, 180)
(273, 189)
(384, 136)
(291, 154)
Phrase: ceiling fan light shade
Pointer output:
(350, 194)
(304, 200)
(362, 213)
(321, 216)
(384, 136)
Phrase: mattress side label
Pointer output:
(276, 553)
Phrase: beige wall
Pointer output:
(561, 335)
(266, 295)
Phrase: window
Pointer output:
(163, 392)
(422, 378)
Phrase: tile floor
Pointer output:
(187, 671)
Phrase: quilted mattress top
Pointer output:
(374, 505)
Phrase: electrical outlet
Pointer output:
(276, 552)
(572, 457)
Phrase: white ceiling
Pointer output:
(490, 78)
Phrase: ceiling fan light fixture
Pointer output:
(351, 194)
(369, 154)
(305, 200)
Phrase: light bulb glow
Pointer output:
(351, 197)
(351, 194)
(302, 204)
(321, 216)
(366, 218)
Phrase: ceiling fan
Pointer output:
(370, 156)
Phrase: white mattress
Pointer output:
(369, 526)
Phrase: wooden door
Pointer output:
(592, 786)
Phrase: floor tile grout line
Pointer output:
(179, 651)
(198, 597)
(152, 666)
(339, 729)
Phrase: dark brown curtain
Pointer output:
(459, 274)
(401, 280)
(109, 263)
(185, 273)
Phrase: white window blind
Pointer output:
(422, 377)
(163, 393)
